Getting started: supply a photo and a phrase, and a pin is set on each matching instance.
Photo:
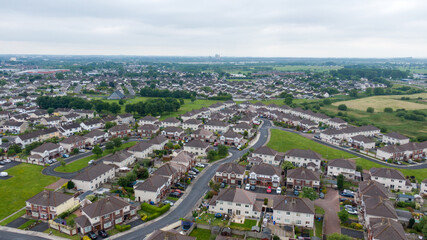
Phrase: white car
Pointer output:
(248, 187)
(90, 162)
(7, 161)
(4, 174)
(278, 190)
(200, 165)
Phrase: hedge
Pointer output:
(122, 228)
(68, 212)
(153, 209)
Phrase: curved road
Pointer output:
(197, 191)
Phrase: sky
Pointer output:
(245, 28)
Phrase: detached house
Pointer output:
(230, 173)
(268, 155)
(48, 205)
(217, 126)
(104, 214)
(148, 120)
(170, 122)
(46, 151)
(391, 178)
(153, 189)
(93, 177)
(377, 207)
(236, 201)
(28, 138)
(293, 211)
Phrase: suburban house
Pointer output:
(70, 129)
(197, 147)
(192, 124)
(385, 229)
(74, 141)
(148, 120)
(236, 201)
(141, 149)
(338, 135)
(27, 138)
(172, 132)
(217, 126)
(423, 189)
(120, 131)
(230, 173)
(337, 123)
(172, 171)
(232, 138)
(372, 188)
(95, 137)
(153, 189)
(170, 122)
(51, 121)
(362, 142)
(268, 155)
(411, 150)
(120, 159)
(203, 135)
(158, 142)
(265, 175)
(301, 158)
(293, 211)
(377, 207)
(104, 214)
(185, 159)
(125, 118)
(395, 138)
(46, 151)
(301, 177)
(94, 176)
(242, 127)
(15, 127)
(48, 205)
(391, 178)
(92, 124)
(342, 166)
(148, 130)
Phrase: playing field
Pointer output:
(381, 102)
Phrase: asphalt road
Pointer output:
(197, 191)
(5, 235)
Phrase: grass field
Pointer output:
(283, 141)
(247, 225)
(201, 234)
(26, 181)
(82, 163)
(381, 102)
(311, 68)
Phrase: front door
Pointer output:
(230, 211)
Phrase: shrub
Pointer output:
(370, 110)
(153, 209)
(122, 228)
(356, 225)
(342, 107)
(388, 110)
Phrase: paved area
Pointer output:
(17, 236)
(41, 227)
(331, 206)
(17, 222)
(57, 184)
(8, 165)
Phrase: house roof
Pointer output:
(361, 138)
(118, 128)
(118, 156)
(265, 151)
(149, 127)
(152, 183)
(95, 133)
(293, 204)
(217, 123)
(385, 229)
(342, 163)
(378, 206)
(49, 198)
(197, 144)
(149, 118)
(266, 169)
(158, 140)
(93, 172)
(182, 157)
(237, 195)
(303, 154)
(396, 135)
(73, 139)
(303, 173)
(165, 170)
(171, 120)
(231, 168)
(140, 147)
(372, 188)
(48, 146)
(387, 173)
(104, 206)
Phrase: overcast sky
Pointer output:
(282, 28)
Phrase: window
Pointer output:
(238, 204)
(107, 225)
(287, 220)
(307, 215)
(117, 212)
(88, 229)
(298, 214)
(288, 213)
(307, 222)
(118, 220)
(230, 203)
(298, 221)
(246, 206)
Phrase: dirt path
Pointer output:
(330, 204)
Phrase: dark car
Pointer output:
(175, 194)
(344, 194)
(102, 233)
(252, 187)
(223, 184)
(92, 235)
(2, 163)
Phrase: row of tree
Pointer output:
(51, 103)
(153, 92)
(154, 107)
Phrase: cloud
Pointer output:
(276, 28)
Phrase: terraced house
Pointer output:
(47, 205)
(391, 178)
(230, 173)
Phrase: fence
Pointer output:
(35, 162)
(63, 228)
(246, 234)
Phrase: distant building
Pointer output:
(116, 95)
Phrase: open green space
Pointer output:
(12, 218)
(83, 162)
(310, 68)
(247, 225)
(201, 234)
(61, 234)
(283, 141)
(26, 181)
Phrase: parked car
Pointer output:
(82, 150)
(102, 233)
(200, 165)
(352, 211)
(175, 194)
(2, 163)
(218, 215)
(4, 174)
(321, 195)
(176, 190)
(49, 161)
(65, 155)
(180, 185)
(91, 162)
(168, 202)
(279, 190)
(7, 160)
(348, 207)
(248, 186)
(253, 188)
(54, 160)
(223, 184)
(195, 170)
(347, 193)
(296, 193)
(191, 172)
(269, 189)
(92, 235)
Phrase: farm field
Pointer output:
(283, 141)
(381, 102)
(26, 181)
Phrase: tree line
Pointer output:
(153, 92)
(46, 102)
(154, 107)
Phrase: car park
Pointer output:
(102, 233)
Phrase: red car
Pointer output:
(269, 189)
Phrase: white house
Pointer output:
(301, 158)
(152, 189)
(395, 138)
(342, 166)
(93, 177)
(197, 147)
(293, 211)
(391, 178)
(268, 155)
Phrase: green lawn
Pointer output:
(60, 234)
(28, 223)
(319, 210)
(283, 141)
(12, 218)
(83, 162)
(204, 219)
(201, 234)
(319, 228)
(249, 223)
(26, 181)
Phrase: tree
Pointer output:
(342, 107)
(411, 223)
(63, 163)
(388, 110)
(211, 155)
(59, 75)
(340, 182)
(309, 193)
(288, 100)
(337, 236)
(275, 237)
(117, 142)
(359, 168)
(222, 150)
(76, 151)
(245, 134)
(97, 150)
(70, 185)
(123, 181)
(353, 93)
(370, 110)
(115, 108)
(109, 145)
(327, 101)
(343, 216)
(109, 125)
(50, 110)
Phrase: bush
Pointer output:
(153, 209)
(388, 110)
(405, 204)
(370, 110)
(342, 107)
(122, 228)
(357, 226)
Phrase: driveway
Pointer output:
(41, 227)
(17, 222)
(331, 205)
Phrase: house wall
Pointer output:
(293, 218)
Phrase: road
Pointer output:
(310, 136)
(197, 191)
(331, 205)
(6, 235)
